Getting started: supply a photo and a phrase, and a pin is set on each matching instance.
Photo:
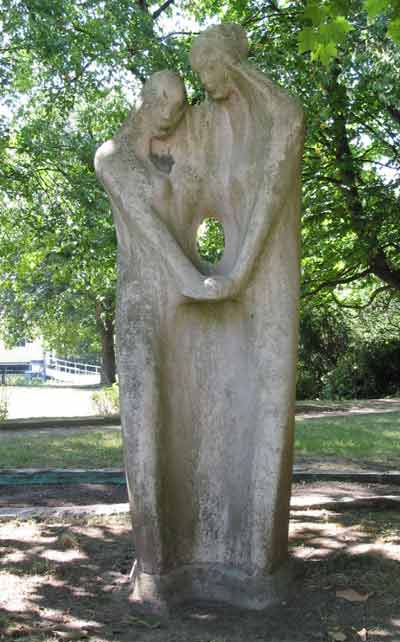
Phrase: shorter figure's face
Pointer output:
(168, 109)
(215, 77)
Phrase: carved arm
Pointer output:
(282, 175)
(122, 188)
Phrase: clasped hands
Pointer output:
(211, 288)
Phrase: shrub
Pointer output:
(24, 380)
(106, 401)
(367, 370)
(3, 404)
(324, 336)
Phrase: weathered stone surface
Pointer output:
(207, 356)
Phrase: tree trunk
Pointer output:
(105, 324)
(376, 257)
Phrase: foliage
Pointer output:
(324, 336)
(370, 370)
(58, 256)
(24, 380)
(66, 66)
(69, 71)
(328, 23)
(349, 354)
(211, 240)
(3, 404)
(351, 163)
(106, 400)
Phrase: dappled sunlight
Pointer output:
(387, 551)
(17, 591)
(66, 579)
(70, 555)
(322, 536)
(13, 558)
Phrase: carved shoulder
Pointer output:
(104, 157)
(291, 108)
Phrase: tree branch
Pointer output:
(321, 179)
(157, 13)
(377, 135)
(178, 33)
(380, 266)
(395, 113)
(383, 288)
(339, 281)
(349, 173)
(142, 4)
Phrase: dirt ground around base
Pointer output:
(67, 579)
(61, 495)
(55, 495)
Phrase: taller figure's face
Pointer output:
(215, 76)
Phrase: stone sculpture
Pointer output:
(207, 355)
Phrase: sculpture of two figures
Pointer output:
(207, 356)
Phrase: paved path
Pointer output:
(315, 410)
(65, 401)
(49, 401)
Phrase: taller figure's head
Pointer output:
(214, 53)
(164, 100)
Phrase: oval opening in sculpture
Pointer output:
(210, 240)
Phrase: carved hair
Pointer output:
(165, 79)
(228, 39)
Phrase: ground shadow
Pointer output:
(68, 580)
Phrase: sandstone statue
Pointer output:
(207, 354)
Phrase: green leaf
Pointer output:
(316, 13)
(394, 30)
(343, 25)
(307, 39)
(325, 53)
(375, 7)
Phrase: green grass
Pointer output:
(89, 449)
(374, 437)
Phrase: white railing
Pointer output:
(72, 371)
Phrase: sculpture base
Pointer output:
(210, 584)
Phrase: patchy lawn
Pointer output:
(374, 437)
(71, 448)
(371, 439)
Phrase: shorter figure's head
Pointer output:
(164, 99)
(214, 53)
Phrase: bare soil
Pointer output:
(54, 495)
(67, 579)
(59, 495)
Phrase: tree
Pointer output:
(65, 64)
(351, 168)
(58, 239)
(72, 68)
